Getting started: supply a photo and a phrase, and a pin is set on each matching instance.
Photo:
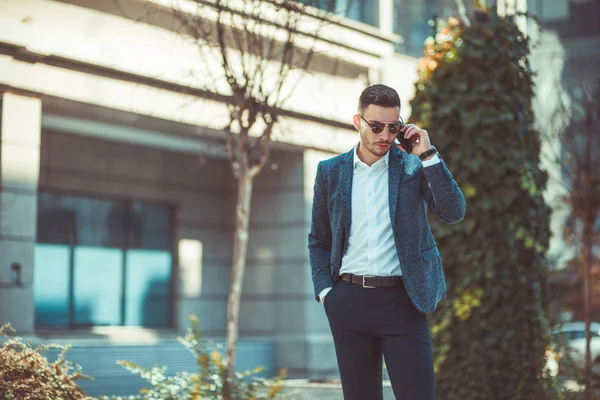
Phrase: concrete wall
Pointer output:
(275, 286)
(319, 350)
(20, 120)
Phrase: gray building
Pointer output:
(565, 59)
(117, 199)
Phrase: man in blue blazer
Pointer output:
(375, 264)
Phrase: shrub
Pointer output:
(26, 374)
(207, 383)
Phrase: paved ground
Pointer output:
(301, 389)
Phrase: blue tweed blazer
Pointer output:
(412, 190)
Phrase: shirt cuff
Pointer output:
(432, 161)
(323, 294)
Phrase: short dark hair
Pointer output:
(379, 95)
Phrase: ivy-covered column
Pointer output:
(474, 96)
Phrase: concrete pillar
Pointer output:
(386, 26)
(20, 130)
(386, 16)
(320, 352)
(511, 7)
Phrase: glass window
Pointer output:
(362, 10)
(578, 335)
(150, 227)
(102, 262)
(98, 284)
(101, 223)
(411, 21)
(359, 10)
(56, 219)
(148, 287)
(570, 18)
(51, 285)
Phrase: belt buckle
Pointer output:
(364, 284)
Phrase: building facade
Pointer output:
(566, 62)
(565, 59)
(117, 198)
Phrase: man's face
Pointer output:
(378, 144)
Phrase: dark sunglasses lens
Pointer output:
(394, 129)
(377, 128)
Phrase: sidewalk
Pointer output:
(301, 389)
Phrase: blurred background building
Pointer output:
(566, 54)
(116, 196)
(565, 58)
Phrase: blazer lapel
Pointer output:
(346, 175)
(396, 164)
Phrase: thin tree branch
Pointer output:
(142, 17)
(265, 141)
(240, 41)
(231, 79)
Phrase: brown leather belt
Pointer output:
(372, 282)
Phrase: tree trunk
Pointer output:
(587, 239)
(240, 246)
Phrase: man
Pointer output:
(375, 264)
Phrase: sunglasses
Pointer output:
(378, 127)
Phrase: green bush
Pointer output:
(207, 383)
(474, 95)
(27, 375)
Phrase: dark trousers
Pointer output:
(371, 324)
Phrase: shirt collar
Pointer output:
(357, 161)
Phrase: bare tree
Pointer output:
(255, 51)
(575, 135)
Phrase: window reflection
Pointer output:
(51, 285)
(411, 21)
(358, 10)
(98, 286)
(148, 287)
(119, 254)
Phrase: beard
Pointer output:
(372, 146)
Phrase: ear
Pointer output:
(356, 122)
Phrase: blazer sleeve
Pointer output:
(319, 238)
(442, 194)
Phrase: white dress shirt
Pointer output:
(371, 247)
